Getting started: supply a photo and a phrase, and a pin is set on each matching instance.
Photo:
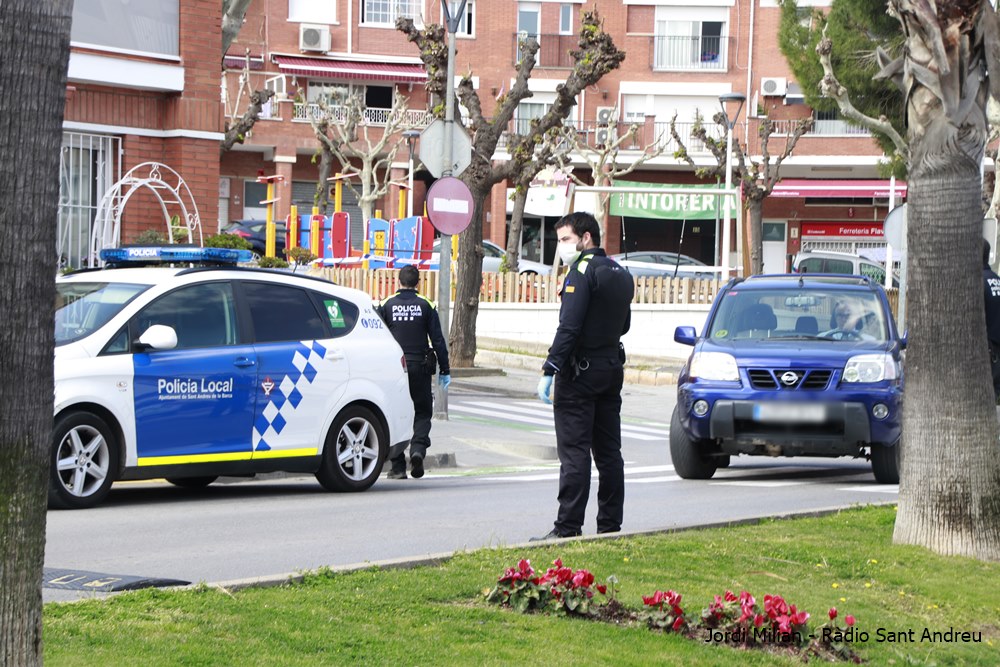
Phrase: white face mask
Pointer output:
(568, 252)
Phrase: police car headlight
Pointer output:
(714, 366)
(870, 368)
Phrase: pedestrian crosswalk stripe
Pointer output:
(540, 409)
(636, 470)
(758, 483)
(874, 488)
(543, 417)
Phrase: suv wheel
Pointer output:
(689, 462)
(885, 463)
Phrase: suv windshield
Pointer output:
(82, 308)
(800, 314)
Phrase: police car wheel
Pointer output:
(191, 482)
(83, 462)
(356, 448)
(689, 462)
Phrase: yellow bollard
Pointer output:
(338, 193)
(402, 204)
(292, 240)
(269, 218)
(366, 248)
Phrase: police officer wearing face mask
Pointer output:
(586, 363)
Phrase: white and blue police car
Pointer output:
(174, 362)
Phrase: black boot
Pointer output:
(398, 469)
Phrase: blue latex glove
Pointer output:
(545, 389)
(444, 381)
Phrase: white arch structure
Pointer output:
(170, 191)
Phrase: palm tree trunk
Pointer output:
(950, 479)
(34, 51)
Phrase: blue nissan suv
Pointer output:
(791, 365)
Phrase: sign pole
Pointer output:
(444, 255)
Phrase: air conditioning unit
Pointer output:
(773, 86)
(605, 115)
(314, 37)
(602, 136)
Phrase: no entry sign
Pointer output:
(449, 205)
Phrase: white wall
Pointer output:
(652, 332)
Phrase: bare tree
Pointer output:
(950, 471)
(34, 52)
(597, 55)
(362, 149)
(756, 178)
(233, 13)
(602, 157)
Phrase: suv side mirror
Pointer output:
(685, 335)
(904, 338)
(157, 337)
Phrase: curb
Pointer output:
(492, 358)
(433, 559)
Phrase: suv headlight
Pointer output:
(870, 368)
(714, 366)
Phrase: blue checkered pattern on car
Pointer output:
(286, 395)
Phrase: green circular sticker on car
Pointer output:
(721, 333)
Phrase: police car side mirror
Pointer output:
(157, 337)
(685, 335)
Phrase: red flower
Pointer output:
(582, 579)
(557, 562)
(758, 620)
(730, 597)
(849, 620)
(833, 613)
(800, 618)
(678, 623)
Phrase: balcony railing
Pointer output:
(553, 50)
(593, 135)
(690, 53)
(302, 113)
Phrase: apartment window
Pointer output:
(88, 166)
(333, 94)
(467, 23)
(385, 12)
(528, 21)
(688, 40)
(526, 112)
(148, 26)
(312, 11)
(565, 19)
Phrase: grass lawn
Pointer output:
(437, 615)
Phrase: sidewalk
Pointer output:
(464, 442)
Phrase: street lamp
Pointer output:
(411, 139)
(731, 123)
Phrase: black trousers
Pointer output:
(995, 369)
(587, 413)
(423, 410)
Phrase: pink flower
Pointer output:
(730, 597)
(833, 613)
(746, 600)
(557, 562)
(582, 579)
(672, 598)
(800, 618)
(602, 589)
(849, 620)
(758, 620)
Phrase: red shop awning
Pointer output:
(324, 68)
(233, 61)
(836, 189)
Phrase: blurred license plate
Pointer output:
(789, 412)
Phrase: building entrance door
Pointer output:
(775, 247)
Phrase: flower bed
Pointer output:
(730, 619)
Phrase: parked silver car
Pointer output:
(493, 256)
(665, 264)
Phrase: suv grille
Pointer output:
(789, 378)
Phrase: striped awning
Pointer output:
(328, 68)
(235, 61)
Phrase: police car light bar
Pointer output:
(146, 255)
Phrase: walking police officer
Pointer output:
(586, 359)
(413, 318)
(991, 295)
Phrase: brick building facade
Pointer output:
(680, 57)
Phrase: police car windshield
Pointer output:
(800, 314)
(82, 308)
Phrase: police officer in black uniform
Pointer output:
(991, 292)
(412, 318)
(586, 360)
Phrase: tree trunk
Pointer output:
(34, 51)
(950, 486)
(756, 240)
(950, 478)
(468, 283)
(514, 233)
(323, 185)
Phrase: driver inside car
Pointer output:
(847, 322)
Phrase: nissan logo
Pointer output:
(789, 378)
